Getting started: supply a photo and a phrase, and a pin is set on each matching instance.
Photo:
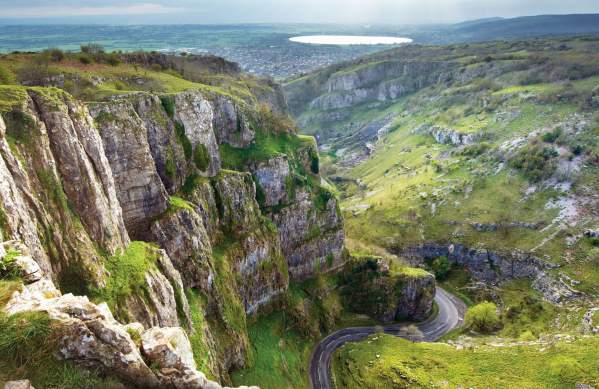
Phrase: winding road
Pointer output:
(450, 315)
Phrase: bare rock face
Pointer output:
(168, 154)
(370, 287)
(84, 169)
(30, 270)
(170, 349)
(182, 234)
(139, 188)
(163, 302)
(231, 124)
(494, 267)
(273, 176)
(195, 113)
(58, 195)
(257, 257)
(21, 384)
(309, 235)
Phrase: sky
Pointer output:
(283, 11)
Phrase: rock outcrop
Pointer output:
(370, 286)
(78, 182)
(494, 268)
(139, 188)
(447, 136)
(89, 336)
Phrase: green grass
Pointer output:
(201, 350)
(384, 361)
(27, 343)
(280, 356)
(127, 276)
(179, 203)
(264, 147)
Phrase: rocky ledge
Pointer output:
(495, 268)
(89, 336)
(375, 287)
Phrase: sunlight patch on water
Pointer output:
(349, 40)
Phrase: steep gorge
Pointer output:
(81, 181)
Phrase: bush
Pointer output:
(482, 318)
(168, 103)
(552, 136)
(183, 140)
(8, 268)
(92, 48)
(85, 59)
(54, 54)
(536, 162)
(314, 161)
(113, 59)
(475, 150)
(441, 267)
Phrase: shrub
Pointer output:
(314, 162)
(482, 318)
(201, 157)
(113, 59)
(536, 162)
(272, 122)
(92, 48)
(54, 54)
(441, 267)
(475, 150)
(8, 268)
(552, 136)
(85, 59)
(168, 103)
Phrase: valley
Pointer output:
(425, 216)
(477, 162)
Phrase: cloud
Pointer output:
(109, 10)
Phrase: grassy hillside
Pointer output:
(522, 174)
(493, 146)
(384, 362)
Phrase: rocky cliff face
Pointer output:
(88, 335)
(495, 268)
(371, 286)
(354, 85)
(78, 181)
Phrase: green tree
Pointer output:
(482, 318)
(441, 267)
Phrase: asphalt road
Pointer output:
(450, 315)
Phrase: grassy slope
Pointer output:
(414, 190)
(385, 361)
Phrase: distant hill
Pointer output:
(528, 26)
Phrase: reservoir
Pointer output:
(349, 40)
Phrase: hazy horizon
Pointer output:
(406, 12)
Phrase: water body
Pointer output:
(349, 40)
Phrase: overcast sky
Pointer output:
(311, 11)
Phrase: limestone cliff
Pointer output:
(377, 288)
(80, 181)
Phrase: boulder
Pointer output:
(21, 384)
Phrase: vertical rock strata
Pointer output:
(76, 182)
